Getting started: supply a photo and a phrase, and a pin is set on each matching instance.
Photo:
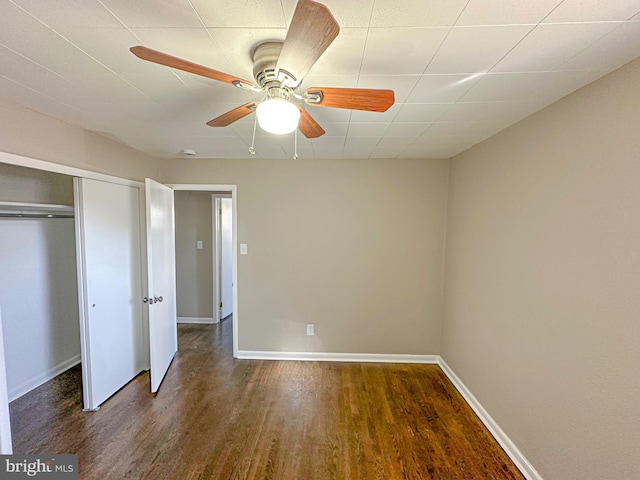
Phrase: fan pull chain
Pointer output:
(295, 144)
(252, 149)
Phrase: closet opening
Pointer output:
(38, 281)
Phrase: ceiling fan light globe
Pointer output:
(277, 115)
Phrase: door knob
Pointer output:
(145, 300)
(160, 298)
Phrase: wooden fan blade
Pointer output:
(308, 126)
(233, 115)
(352, 98)
(312, 30)
(167, 60)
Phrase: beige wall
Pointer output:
(352, 246)
(542, 276)
(194, 268)
(20, 184)
(32, 134)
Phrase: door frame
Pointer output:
(233, 190)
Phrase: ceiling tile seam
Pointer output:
(113, 14)
(525, 36)
(590, 45)
(551, 11)
(438, 49)
(511, 49)
(43, 94)
(364, 49)
(81, 50)
(202, 22)
(37, 64)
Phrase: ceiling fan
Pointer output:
(279, 68)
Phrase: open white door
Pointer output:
(109, 287)
(161, 265)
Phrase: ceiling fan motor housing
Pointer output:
(265, 57)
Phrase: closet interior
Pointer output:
(38, 277)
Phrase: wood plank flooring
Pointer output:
(220, 418)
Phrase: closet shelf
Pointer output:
(35, 210)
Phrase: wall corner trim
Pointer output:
(501, 437)
(338, 357)
(200, 320)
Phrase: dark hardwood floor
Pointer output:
(220, 418)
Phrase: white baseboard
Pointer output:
(338, 357)
(202, 320)
(28, 385)
(505, 442)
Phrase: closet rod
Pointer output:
(35, 215)
(34, 210)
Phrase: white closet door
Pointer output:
(161, 265)
(110, 289)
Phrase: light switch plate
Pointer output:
(243, 249)
(199, 244)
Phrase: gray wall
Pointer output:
(19, 184)
(194, 268)
(542, 277)
(352, 246)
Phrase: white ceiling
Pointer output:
(462, 70)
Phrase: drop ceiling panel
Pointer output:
(549, 45)
(422, 112)
(609, 52)
(388, 53)
(505, 87)
(367, 129)
(494, 111)
(244, 13)
(442, 88)
(406, 129)
(149, 13)
(70, 13)
(416, 13)
(476, 49)
(490, 12)
(593, 11)
(109, 46)
(35, 77)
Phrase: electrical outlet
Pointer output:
(310, 329)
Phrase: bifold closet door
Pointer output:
(110, 290)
